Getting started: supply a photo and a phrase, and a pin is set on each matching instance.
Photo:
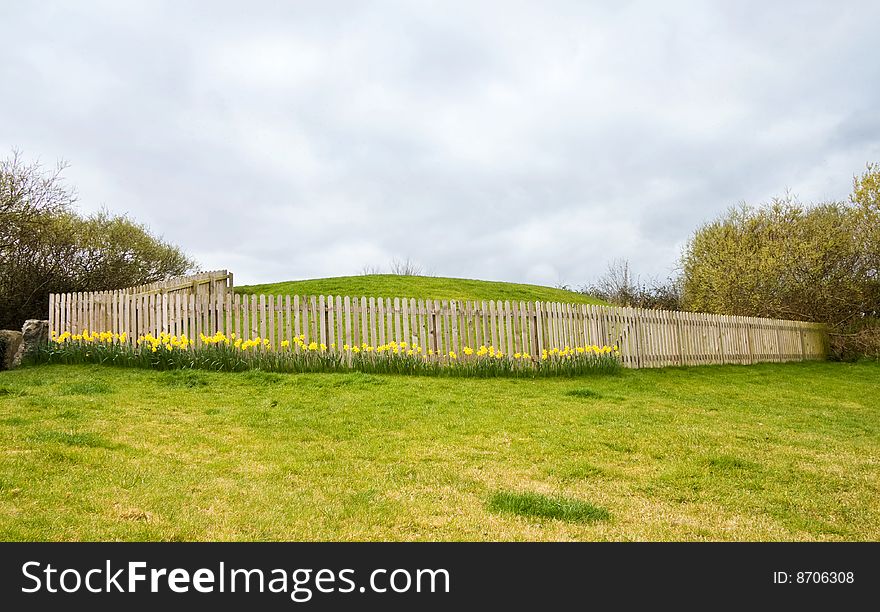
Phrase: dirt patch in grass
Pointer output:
(124, 513)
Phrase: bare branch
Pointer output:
(405, 267)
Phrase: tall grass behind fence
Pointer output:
(646, 338)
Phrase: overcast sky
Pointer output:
(529, 142)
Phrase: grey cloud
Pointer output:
(524, 142)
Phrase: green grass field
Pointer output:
(765, 452)
(437, 288)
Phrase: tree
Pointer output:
(866, 189)
(620, 286)
(369, 270)
(788, 260)
(866, 198)
(405, 267)
(27, 194)
(617, 285)
(45, 247)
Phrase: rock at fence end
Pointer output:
(9, 342)
(34, 333)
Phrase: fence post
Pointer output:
(433, 314)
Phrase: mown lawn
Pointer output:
(768, 452)
(434, 287)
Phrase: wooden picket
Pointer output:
(216, 282)
(644, 338)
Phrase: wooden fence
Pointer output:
(646, 338)
(214, 282)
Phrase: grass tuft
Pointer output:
(86, 440)
(88, 387)
(584, 393)
(358, 379)
(262, 377)
(580, 471)
(542, 506)
(185, 378)
(729, 463)
(15, 421)
(9, 392)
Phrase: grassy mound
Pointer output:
(437, 288)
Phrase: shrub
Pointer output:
(787, 260)
(857, 340)
(619, 286)
(45, 247)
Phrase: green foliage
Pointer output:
(45, 247)
(782, 260)
(105, 251)
(786, 260)
(438, 288)
(866, 189)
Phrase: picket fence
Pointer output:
(210, 283)
(645, 338)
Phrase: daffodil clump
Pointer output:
(89, 338)
(169, 351)
(233, 353)
(484, 361)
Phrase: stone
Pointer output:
(10, 340)
(34, 334)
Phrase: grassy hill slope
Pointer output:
(438, 288)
